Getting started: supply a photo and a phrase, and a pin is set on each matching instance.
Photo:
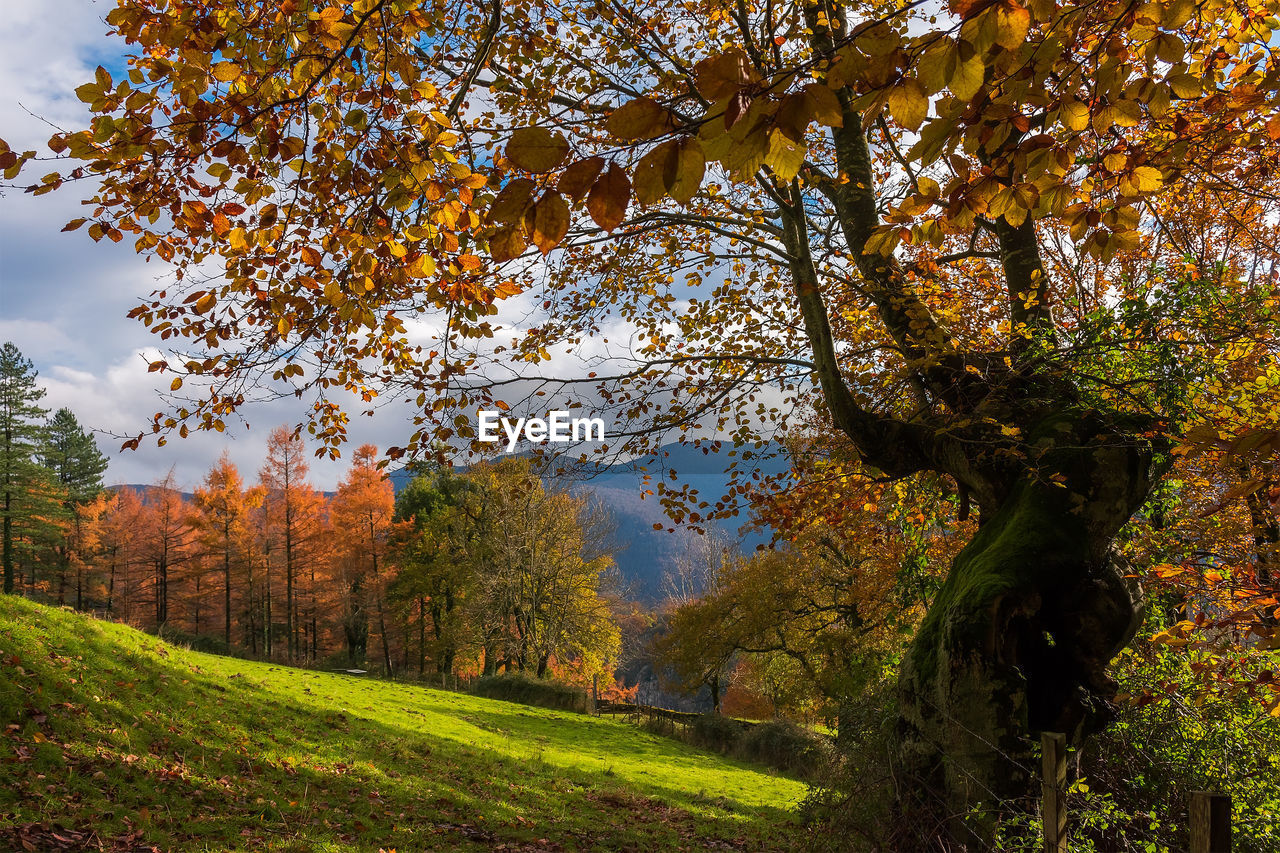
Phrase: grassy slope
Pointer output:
(104, 729)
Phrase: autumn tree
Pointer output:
(363, 511)
(292, 511)
(924, 220)
(223, 506)
(165, 535)
(934, 219)
(119, 537)
(540, 585)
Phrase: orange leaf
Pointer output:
(607, 203)
(548, 221)
(578, 178)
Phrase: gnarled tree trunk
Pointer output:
(1018, 640)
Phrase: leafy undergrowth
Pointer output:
(111, 736)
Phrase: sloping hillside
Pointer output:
(111, 735)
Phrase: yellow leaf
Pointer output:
(908, 104)
(226, 72)
(1075, 115)
(826, 106)
(423, 267)
(1147, 179)
(643, 118)
(1185, 85)
(938, 65)
(238, 240)
(1012, 23)
(785, 156)
(684, 170)
(1126, 113)
(968, 78)
(536, 149)
(205, 303)
(176, 383)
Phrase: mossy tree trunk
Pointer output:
(1019, 637)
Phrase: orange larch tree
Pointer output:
(293, 514)
(363, 511)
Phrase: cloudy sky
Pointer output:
(63, 298)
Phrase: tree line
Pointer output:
(484, 571)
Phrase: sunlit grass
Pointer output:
(109, 729)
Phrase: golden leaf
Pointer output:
(968, 78)
(1012, 23)
(643, 118)
(1147, 179)
(226, 72)
(908, 104)
(826, 106)
(684, 171)
(536, 149)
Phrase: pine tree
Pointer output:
(21, 431)
(74, 460)
(71, 453)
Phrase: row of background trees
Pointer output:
(484, 571)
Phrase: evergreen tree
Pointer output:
(21, 431)
(73, 456)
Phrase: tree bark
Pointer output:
(1017, 643)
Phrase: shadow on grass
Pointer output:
(117, 732)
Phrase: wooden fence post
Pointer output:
(1053, 746)
(1210, 822)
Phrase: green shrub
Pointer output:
(783, 745)
(516, 687)
(1135, 778)
(715, 732)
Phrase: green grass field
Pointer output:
(111, 735)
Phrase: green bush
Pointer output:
(515, 687)
(1135, 778)
(715, 732)
(785, 746)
